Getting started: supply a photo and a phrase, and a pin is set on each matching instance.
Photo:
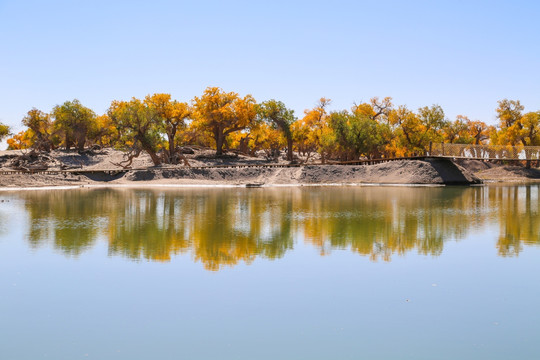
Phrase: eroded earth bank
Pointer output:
(72, 168)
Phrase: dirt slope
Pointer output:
(436, 172)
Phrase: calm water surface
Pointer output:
(284, 273)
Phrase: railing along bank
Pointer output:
(485, 152)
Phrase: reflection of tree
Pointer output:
(69, 218)
(146, 225)
(381, 221)
(239, 226)
(518, 217)
(222, 227)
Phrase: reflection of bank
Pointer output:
(221, 227)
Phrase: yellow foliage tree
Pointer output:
(268, 138)
(414, 131)
(458, 131)
(40, 126)
(104, 132)
(21, 140)
(530, 129)
(220, 114)
(479, 131)
(376, 110)
(138, 125)
(509, 113)
(312, 132)
(173, 115)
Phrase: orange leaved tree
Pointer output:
(220, 113)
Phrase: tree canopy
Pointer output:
(4, 131)
(160, 126)
(138, 125)
(220, 113)
(73, 122)
(276, 114)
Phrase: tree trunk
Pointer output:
(148, 148)
(80, 143)
(220, 139)
(289, 148)
(243, 145)
(171, 146)
(155, 159)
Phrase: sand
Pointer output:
(510, 173)
(498, 172)
(428, 172)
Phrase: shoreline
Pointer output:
(208, 171)
(150, 185)
(402, 172)
(157, 185)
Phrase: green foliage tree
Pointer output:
(139, 127)
(277, 115)
(73, 122)
(433, 120)
(4, 131)
(358, 134)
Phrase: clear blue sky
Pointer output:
(462, 55)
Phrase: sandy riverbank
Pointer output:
(490, 172)
(407, 172)
(429, 172)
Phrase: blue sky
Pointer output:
(462, 55)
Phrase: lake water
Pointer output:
(277, 273)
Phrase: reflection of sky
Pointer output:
(13, 218)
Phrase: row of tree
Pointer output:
(225, 121)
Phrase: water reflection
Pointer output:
(519, 219)
(222, 227)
